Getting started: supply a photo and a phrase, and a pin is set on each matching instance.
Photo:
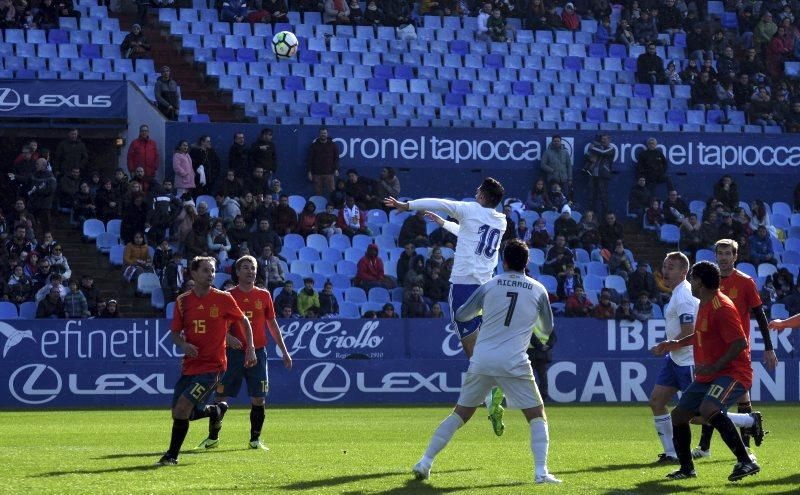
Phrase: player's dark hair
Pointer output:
(680, 258)
(197, 260)
(707, 273)
(727, 243)
(245, 259)
(515, 255)
(492, 191)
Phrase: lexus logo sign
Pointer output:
(325, 382)
(35, 384)
(9, 99)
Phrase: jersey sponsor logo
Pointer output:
(35, 384)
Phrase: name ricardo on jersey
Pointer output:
(515, 283)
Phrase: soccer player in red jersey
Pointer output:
(722, 373)
(199, 328)
(741, 289)
(257, 305)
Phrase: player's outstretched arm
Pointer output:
(791, 322)
(275, 331)
(392, 202)
(451, 227)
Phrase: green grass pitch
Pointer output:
(327, 450)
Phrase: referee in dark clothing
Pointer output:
(262, 154)
(323, 164)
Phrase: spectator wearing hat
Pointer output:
(135, 44)
(111, 309)
(166, 93)
(566, 226)
(570, 19)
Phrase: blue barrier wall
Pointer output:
(27, 98)
(697, 160)
(100, 363)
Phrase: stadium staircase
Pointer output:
(190, 76)
(85, 260)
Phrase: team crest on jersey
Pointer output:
(214, 312)
(259, 304)
(733, 293)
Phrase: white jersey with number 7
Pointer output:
(480, 230)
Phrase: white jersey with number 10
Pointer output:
(480, 230)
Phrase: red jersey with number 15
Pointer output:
(258, 308)
(741, 289)
(204, 322)
(717, 326)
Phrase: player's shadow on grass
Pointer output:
(633, 465)
(160, 453)
(122, 469)
(658, 486)
(417, 487)
(343, 480)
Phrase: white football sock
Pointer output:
(664, 430)
(540, 442)
(441, 437)
(488, 400)
(741, 420)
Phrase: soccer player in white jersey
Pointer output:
(512, 303)
(480, 229)
(677, 370)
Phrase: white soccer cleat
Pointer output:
(547, 478)
(699, 453)
(421, 471)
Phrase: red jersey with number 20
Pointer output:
(258, 308)
(204, 322)
(741, 289)
(717, 326)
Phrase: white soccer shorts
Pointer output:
(521, 392)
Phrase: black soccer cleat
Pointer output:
(680, 474)
(666, 459)
(757, 430)
(743, 469)
(167, 460)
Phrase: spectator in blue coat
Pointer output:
(761, 247)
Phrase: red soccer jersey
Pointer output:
(258, 308)
(741, 289)
(717, 326)
(204, 322)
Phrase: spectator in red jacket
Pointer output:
(370, 271)
(578, 304)
(571, 20)
(143, 152)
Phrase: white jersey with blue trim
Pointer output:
(512, 303)
(480, 230)
(682, 309)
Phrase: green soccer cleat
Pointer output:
(208, 444)
(258, 444)
(496, 412)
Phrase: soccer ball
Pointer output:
(284, 44)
